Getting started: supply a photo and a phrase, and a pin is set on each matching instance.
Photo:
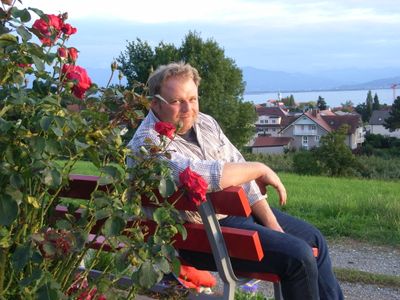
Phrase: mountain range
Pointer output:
(261, 80)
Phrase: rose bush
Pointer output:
(51, 117)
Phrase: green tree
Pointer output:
(136, 62)
(334, 155)
(321, 103)
(222, 86)
(362, 110)
(393, 122)
(368, 104)
(376, 105)
(289, 101)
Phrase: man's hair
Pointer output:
(175, 69)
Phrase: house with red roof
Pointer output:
(271, 144)
(307, 129)
(271, 120)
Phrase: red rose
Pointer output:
(62, 52)
(79, 77)
(49, 30)
(24, 66)
(88, 294)
(194, 184)
(166, 129)
(68, 29)
(72, 54)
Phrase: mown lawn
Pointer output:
(367, 210)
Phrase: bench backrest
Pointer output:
(244, 244)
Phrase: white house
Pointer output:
(376, 122)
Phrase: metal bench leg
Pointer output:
(278, 291)
(219, 250)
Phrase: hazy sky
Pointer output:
(284, 35)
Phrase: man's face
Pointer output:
(183, 106)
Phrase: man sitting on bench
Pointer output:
(201, 145)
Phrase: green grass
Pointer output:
(367, 210)
(357, 276)
(85, 168)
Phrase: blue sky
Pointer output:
(284, 35)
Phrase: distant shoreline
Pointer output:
(307, 91)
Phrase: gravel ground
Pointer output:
(364, 257)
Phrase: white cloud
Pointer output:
(267, 13)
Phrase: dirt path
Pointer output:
(349, 254)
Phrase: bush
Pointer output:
(277, 162)
(306, 163)
(378, 168)
(50, 112)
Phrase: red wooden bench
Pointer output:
(209, 237)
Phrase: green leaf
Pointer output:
(24, 15)
(94, 157)
(16, 180)
(111, 170)
(168, 251)
(113, 226)
(7, 40)
(163, 265)
(37, 11)
(176, 266)
(45, 122)
(182, 230)
(148, 275)
(36, 274)
(63, 224)
(38, 63)
(52, 177)
(49, 249)
(166, 187)
(52, 147)
(121, 261)
(21, 256)
(5, 238)
(50, 291)
(80, 146)
(57, 131)
(80, 239)
(103, 213)
(8, 210)
(4, 125)
(24, 33)
(160, 215)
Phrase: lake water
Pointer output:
(332, 98)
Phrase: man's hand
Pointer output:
(263, 213)
(271, 178)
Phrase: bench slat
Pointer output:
(230, 201)
(241, 243)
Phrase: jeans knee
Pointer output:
(304, 261)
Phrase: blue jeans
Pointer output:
(288, 255)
